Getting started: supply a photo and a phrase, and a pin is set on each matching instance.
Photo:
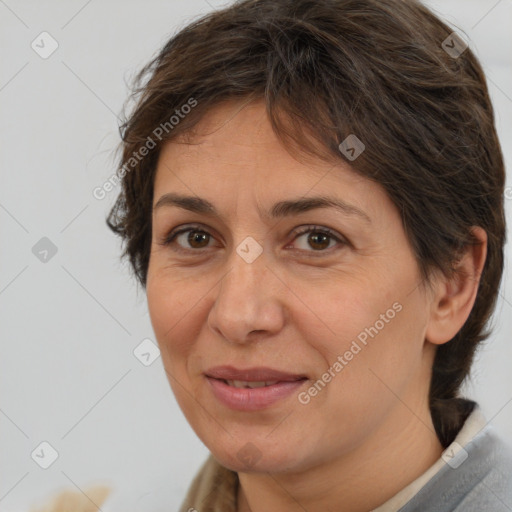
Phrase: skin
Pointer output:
(368, 433)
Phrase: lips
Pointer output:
(256, 375)
(252, 389)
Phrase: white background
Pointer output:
(68, 327)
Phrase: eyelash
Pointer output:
(169, 239)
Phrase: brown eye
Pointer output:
(315, 239)
(198, 239)
(188, 239)
(318, 240)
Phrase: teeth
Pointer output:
(251, 385)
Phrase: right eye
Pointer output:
(188, 239)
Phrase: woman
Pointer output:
(313, 201)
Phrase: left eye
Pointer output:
(318, 239)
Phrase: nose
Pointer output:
(249, 303)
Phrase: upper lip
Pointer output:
(256, 374)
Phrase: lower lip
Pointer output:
(246, 399)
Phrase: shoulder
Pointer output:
(475, 474)
(483, 481)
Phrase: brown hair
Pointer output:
(327, 69)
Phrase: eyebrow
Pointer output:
(278, 210)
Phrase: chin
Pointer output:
(254, 457)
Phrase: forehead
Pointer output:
(237, 140)
(233, 152)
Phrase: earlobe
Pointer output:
(453, 298)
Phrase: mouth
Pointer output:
(246, 384)
(259, 375)
(252, 389)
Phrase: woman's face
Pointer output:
(341, 308)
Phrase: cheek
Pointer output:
(172, 309)
(382, 355)
(343, 310)
(169, 306)
(371, 363)
(366, 329)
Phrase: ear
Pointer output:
(453, 298)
